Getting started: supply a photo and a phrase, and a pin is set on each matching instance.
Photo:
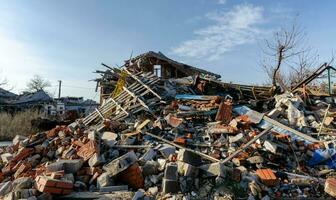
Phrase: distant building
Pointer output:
(69, 105)
(6, 96)
(16, 103)
(64, 107)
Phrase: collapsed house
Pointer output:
(204, 82)
(185, 135)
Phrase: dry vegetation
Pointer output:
(18, 124)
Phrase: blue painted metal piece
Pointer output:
(193, 97)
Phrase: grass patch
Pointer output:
(17, 124)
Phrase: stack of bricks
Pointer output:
(267, 177)
(53, 186)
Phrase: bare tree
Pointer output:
(37, 83)
(302, 66)
(285, 44)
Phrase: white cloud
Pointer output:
(238, 26)
(222, 2)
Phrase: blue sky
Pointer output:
(68, 39)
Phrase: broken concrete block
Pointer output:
(139, 194)
(153, 190)
(69, 166)
(236, 138)
(150, 167)
(22, 183)
(95, 160)
(93, 135)
(6, 157)
(79, 186)
(185, 169)
(44, 196)
(73, 126)
(171, 172)
(18, 138)
(5, 188)
(170, 186)
(114, 188)
(34, 160)
(155, 178)
(255, 159)
(69, 177)
(10, 196)
(189, 157)
(104, 180)
(162, 163)
(59, 150)
(26, 193)
(109, 138)
(214, 169)
(271, 146)
(120, 164)
(149, 155)
(166, 150)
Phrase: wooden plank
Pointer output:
(137, 79)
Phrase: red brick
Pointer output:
(65, 191)
(52, 190)
(56, 175)
(330, 187)
(132, 176)
(180, 140)
(23, 167)
(243, 118)
(87, 151)
(8, 169)
(224, 113)
(53, 186)
(173, 121)
(78, 143)
(267, 177)
(24, 153)
(65, 185)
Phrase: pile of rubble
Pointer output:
(157, 138)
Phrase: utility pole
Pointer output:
(59, 88)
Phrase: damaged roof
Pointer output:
(162, 57)
(6, 94)
(39, 96)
